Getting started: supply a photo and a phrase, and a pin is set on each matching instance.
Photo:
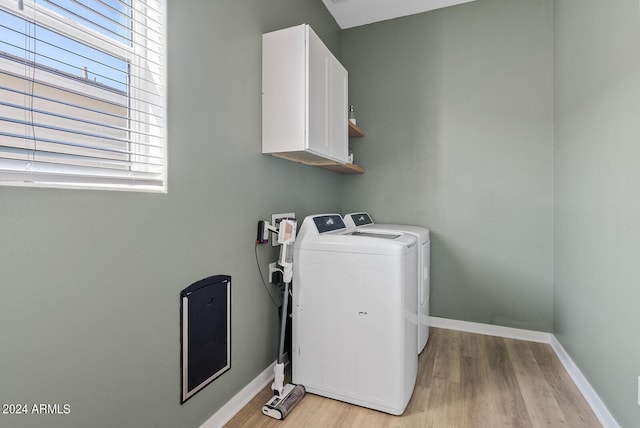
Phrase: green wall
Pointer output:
(457, 105)
(90, 280)
(464, 136)
(597, 195)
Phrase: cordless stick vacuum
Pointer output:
(285, 397)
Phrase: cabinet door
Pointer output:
(337, 113)
(318, 120)
(328, 133)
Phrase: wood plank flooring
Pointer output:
(464, 380)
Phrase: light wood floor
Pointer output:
(464, 380)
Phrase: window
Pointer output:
(82, 94)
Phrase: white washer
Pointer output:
(363, 221)
(353, 331)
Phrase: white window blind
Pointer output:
(82, 93)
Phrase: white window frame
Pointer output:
(138, 93)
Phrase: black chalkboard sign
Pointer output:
(205, 328)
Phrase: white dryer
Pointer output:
(353, 332)
(363, 221)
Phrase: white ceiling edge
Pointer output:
(353, 13)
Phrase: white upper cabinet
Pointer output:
(304, 98)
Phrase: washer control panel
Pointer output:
(361, 219)
(329, 223)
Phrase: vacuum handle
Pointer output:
(283, 320)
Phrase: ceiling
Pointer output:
(352, 13)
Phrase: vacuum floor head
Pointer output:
(280, 405)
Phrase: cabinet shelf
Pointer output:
(350, 168)
(319, 162)
(343, 168)
(355, 131)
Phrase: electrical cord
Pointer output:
(266, 287)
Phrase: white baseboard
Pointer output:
(491, 330)
(590, 395)
(238, 401)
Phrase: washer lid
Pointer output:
(363, 220)
(376, 235)
(422, 233)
